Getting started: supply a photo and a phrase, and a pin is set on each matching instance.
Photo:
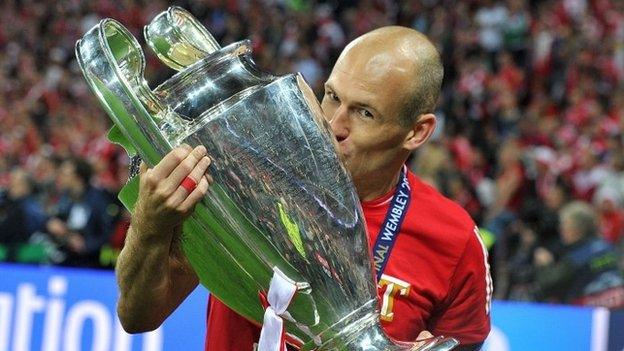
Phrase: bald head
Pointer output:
(405, 52)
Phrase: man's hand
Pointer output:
(542, 257)
(76, 243)
(153, 274)
(163, 204)
(425, 336)
(56, 227)
(422, 339)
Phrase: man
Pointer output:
(21, 215)
(587, 271)
(379, 101)
(82, 224)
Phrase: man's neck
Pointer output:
(375, 185)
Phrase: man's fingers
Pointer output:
(195, 196)
(200, 169)
(424, 335)
(171, 161)
(197, 174)
(423, 338)
(142, 168)
(186, 167)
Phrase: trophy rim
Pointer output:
(235, 49)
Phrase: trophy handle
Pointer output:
(113, 64)
(178, 38)
(127, 55)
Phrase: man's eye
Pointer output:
(332, 96)
(366, 113)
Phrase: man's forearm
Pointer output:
(142, 278)
(154, 276)
(153, 279)
(552, 280)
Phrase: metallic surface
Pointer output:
(281, 196)
(178, 39)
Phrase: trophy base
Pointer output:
(361, 331)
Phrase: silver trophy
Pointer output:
(281, 198)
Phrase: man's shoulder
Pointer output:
(437, 209)
(441, 226)
(589, 249)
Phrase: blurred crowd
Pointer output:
(529, 139)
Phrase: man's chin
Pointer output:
(344, 159)
(349, 167)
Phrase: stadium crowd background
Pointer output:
(531, 120)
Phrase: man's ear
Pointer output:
(420, 131)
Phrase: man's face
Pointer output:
(66, 176)
(568, 231)
(362, 103)
(18, 185)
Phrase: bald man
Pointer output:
(379, 101)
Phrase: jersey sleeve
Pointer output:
(465, 313)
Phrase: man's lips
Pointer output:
(341, 147)
(344, 150)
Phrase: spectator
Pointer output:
(586, 270)
(21, 215)
(491, 17)
(520, 266)
(510, 190)
(516, 31)
(81, 225)
(612, 184)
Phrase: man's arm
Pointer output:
(552, 279)
(465, 313)
(153, 275)
(153, 281)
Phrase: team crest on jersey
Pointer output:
(394, 287)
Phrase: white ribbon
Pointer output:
(280, 294)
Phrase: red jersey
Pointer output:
(436, 279)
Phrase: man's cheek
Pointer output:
(341, 154)
(325, 109)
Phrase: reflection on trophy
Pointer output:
(282, 205)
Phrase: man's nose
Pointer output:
(339, 122)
